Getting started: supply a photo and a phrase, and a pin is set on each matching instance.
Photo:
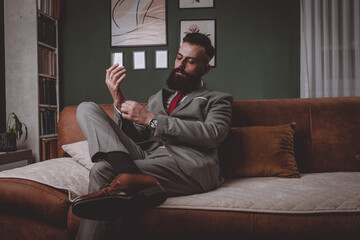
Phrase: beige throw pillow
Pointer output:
(79, 151)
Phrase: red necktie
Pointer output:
(174, 102)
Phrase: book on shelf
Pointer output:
(47, 91)
(47, 61)
(48, 119)
(48, 148)
(50, 8)
(46, 30)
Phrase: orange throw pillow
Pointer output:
(261, 151)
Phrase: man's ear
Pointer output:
(207, 68)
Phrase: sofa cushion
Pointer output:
(262, 151)
(60, 173)
(313, 193)
(79, 151)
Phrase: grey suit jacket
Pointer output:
(191, 133)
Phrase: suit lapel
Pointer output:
(198, 92)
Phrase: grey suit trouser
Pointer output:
(104, 135)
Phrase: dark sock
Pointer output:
(122, 162)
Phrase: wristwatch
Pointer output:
(153, 123)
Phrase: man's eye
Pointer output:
(191, 61)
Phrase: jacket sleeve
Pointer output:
(208, 133)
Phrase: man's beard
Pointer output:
(185, 84)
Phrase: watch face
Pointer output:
(153, 123)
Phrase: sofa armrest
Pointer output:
(27, 197)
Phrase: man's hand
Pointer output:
(114, 77)
(136, 113)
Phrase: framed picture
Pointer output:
(117, 57)
(196, 3)
(138, 23)
(139, 60)
(161, 59)
(203, 26)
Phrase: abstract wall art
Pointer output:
(138, 23)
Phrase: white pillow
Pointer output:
(79, 151)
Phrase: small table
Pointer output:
(15, 156)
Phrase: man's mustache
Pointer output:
(175, 70)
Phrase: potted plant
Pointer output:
(14, 131)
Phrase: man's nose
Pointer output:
(182, 64)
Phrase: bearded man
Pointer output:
(144, 155)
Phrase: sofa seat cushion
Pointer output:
(61, 173)
(312, 193)
(337, 192)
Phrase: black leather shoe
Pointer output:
(126, 194)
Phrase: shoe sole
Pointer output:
(114, 207)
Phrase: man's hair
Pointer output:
(195, 37)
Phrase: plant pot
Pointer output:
(7, 142)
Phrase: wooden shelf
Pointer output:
(48, 106)
(47, 46)
(48, 76)
(15, 156)
(49, 136)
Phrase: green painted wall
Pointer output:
(258, 50)
(2, 71)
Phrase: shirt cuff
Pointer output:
(117, 110)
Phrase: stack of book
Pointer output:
(47, 91)
(47, 61)
(48, 119)
(48, 148)
(46, 30)
(50, 8)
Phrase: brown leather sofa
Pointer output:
(327, 139)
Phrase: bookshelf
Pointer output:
(47, 16)
(31, 71)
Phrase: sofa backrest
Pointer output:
(327, 135)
